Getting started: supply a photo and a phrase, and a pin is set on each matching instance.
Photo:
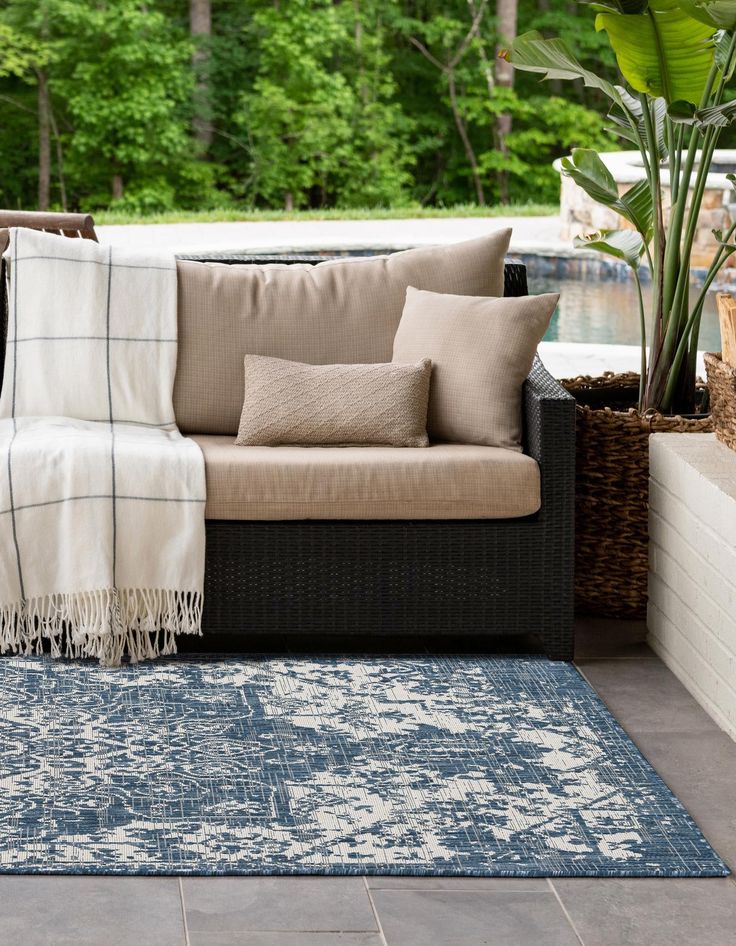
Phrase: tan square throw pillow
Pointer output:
(481, 350)
(287, 402)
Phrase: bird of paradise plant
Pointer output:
(677, 59)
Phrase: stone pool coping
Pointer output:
(530, 234)
(570, 359)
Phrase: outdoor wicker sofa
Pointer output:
(394, 578)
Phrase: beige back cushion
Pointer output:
(338, 312)
(481, 352)
(290, 402)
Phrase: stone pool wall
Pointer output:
(580, 214)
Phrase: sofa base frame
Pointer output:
(384, 578)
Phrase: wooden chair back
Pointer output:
(69, 225)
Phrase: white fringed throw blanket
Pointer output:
(101, 498)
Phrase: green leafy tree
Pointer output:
(125, 79)
(24, 42)
(321, 120)
(308, 103)
(18, 51)
(466, 140)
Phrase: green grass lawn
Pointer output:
(229, 215)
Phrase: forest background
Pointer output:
(145, 108)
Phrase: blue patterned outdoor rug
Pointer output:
(475, 766)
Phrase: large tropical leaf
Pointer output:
(554, 59)
(663, 51)
(714, 116)
(626, 245)
(720, 13)
(633, 110)
(682, 113)
(589, 172)
(636, 207)
(724, 59)
(718, 115)
(659, 114)
(621, 127)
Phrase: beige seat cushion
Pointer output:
(288, 402)
(443, 481)
(341, 311)
(482, 351)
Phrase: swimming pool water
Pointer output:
(608, 312)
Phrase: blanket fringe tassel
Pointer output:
(108, 624)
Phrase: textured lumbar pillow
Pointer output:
(481, 350)
(342, 311)
(287, 402)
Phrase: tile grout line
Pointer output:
(564, 911)
(183, 913)
(376, 917)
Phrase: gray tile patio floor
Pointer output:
(688, 750)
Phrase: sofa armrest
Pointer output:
(549, 423)
(549, 437)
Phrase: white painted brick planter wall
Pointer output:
(692, 567)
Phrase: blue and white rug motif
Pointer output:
(475, 766)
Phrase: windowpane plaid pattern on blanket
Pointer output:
(102, 504)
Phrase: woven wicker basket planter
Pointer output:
(612, 491)
(722, 387)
